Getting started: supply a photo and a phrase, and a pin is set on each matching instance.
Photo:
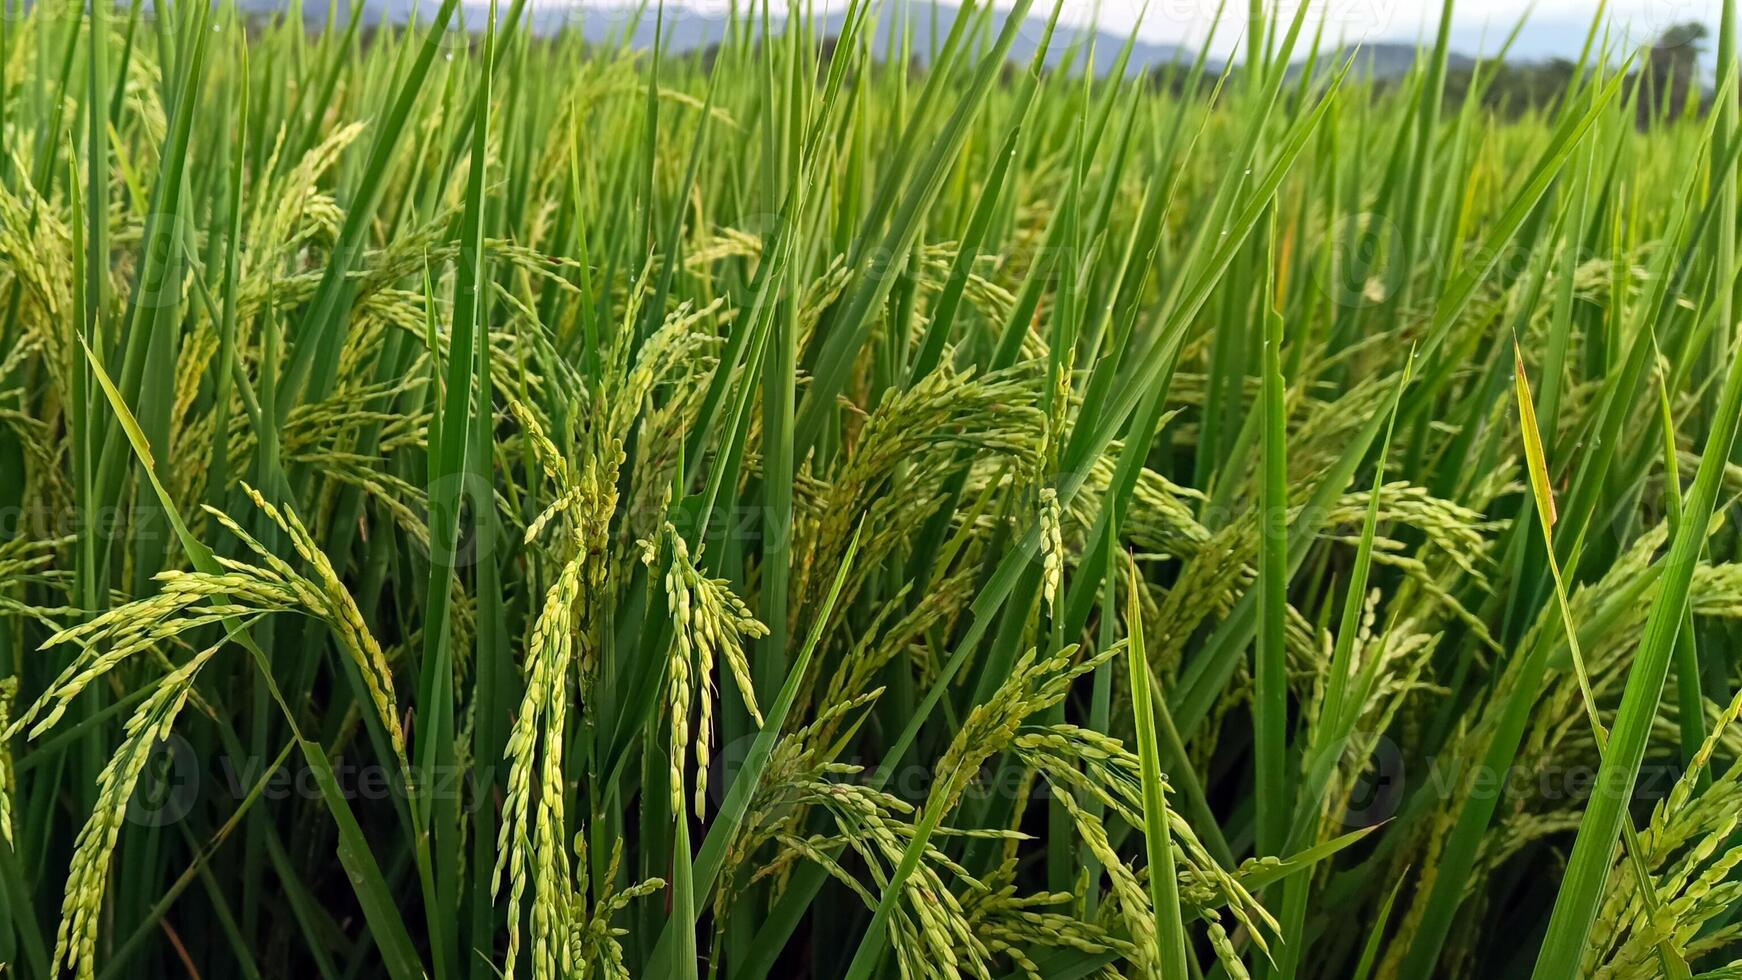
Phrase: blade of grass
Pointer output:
(1170, 929)
(1376, 934)
(437, 808)
(1270, 692)
(1543, 493)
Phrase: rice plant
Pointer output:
(480, 503)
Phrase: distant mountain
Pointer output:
(687, 29)
(1391, 59)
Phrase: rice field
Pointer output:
(477, 503)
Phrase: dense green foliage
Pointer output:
(480, 505)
